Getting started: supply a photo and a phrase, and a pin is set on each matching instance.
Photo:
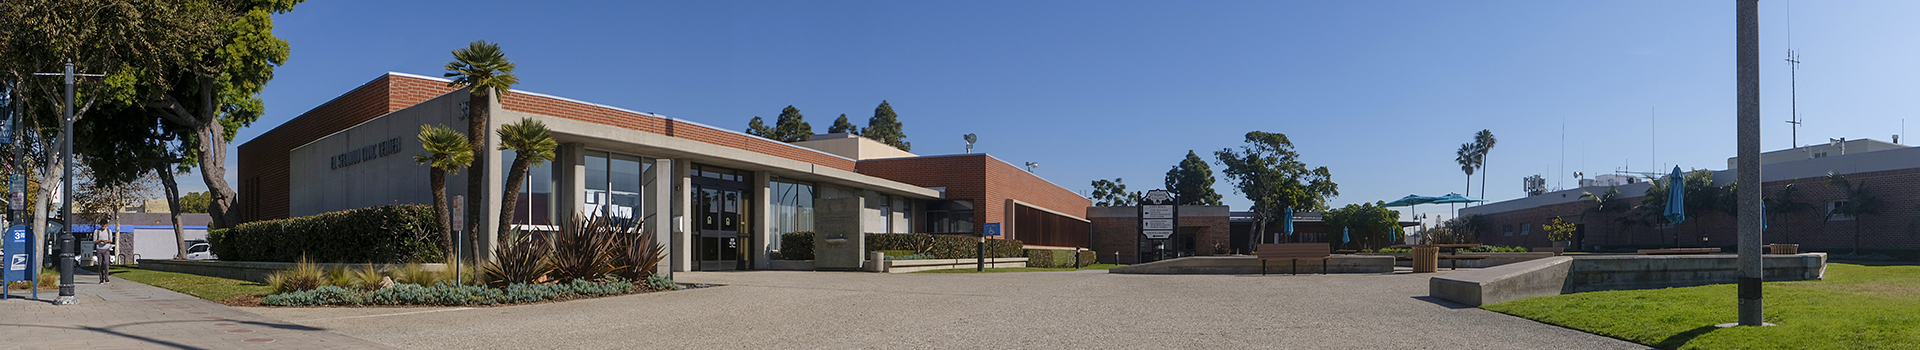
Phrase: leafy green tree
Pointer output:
(1651, 212)
(1192, 181)
(1468, 156)
(843, 126)
(1113, 194)
(885, 127)
(790, 127)
(1269, 172)
(1859, 203)
(1703, 197)
(1461, 230)
(1370, 225)
(447, 152)
(486, 73)
(195, 202)
(1559, 230)
(532, 145)
(1483, 143)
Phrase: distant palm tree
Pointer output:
(485, 72)
(447, 152)
(532, 145)
(1469, 158)
(1782, 203)
(1484, 143)
(1608, 203)
(1859, 203)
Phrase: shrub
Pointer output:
(796, 245)
(366, 278)
(415, 274)
(643, 254)
(448, 294)
(384, 234)
(1060, 258)
(1088, 258)
(518, 259)
(661, 282)
(585, 247)
(1396, 250)
(943, 246)
(303, 276)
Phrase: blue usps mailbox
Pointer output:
(991, 229)
(18, 258)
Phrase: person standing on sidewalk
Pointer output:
(103, 258)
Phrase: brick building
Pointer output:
(720, 198)
(1891, 172)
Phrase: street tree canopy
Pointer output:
(1113, 194)
(1269, 172)
(885, 127)
(1192, 181)
(791, 127)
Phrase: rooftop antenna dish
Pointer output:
(970, 139)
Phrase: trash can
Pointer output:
(1426, 259)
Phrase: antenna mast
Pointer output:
(1793, 59)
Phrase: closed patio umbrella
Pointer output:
(1676, 197)
(1286, 223)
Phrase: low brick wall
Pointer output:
(250, 270)
(1234, 265)
(1569, 274)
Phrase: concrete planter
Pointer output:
(1237, 265)
(1493, 259)
(256, 271)
(1566, 274)
(905, 266)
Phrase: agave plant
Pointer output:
(587, 248)
(518, 259)
(643, 254)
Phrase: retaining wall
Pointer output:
(1566, 274)
(1229, 265)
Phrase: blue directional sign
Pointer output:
(991, 229)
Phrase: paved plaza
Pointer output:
(1080, 309)
(129, 315)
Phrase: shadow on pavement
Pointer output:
(1443, 302)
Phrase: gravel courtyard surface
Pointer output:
(1078, 309)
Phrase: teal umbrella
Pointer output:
(1286, 222)
(1344, 234)
(1455, 198)
(1676, 197)
(1410, 201)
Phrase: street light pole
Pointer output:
(67, 245)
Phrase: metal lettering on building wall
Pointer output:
(365, 153)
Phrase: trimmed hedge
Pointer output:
(1059, 258)
(944, 246)
(799, 245)
(390, 234)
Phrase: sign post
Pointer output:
(458, 219)
(991, 229)
(1159, 217)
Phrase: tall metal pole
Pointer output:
(1747, 29)
(67, 245)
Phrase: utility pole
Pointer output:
(1747, 58)
(67, 246)
(1793, 59)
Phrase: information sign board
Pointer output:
(1153, 234)
(1159, 214)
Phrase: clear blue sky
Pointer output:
(1381, 92)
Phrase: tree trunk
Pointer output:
(439, 183)
(173, 207)
(477, 108)
(51, 171)
(510, 198)
(213, 171)
(1483, 176)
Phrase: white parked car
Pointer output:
(200, 251)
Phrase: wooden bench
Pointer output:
(1679, 251)
(1294, 252)
(1557, 251)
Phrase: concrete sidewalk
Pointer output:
(129, 315)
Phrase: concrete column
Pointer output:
(681, 250)
(1747, 58)
(570, 168)
(489, 223)
(762, 218)
(660, 209)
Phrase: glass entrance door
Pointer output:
(721, 245)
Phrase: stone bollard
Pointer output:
(877, 262)
(1426, 259)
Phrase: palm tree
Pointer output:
(485, 72)
(1484, 140)
(1610, 204)
(532, 145)
(1859, 202)
(1782, 203)
(447, 152)
(1469, 158)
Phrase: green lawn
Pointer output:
(1856, 307)
(209, 288)
(1024, 269)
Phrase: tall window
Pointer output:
(792, 205)
(613, 186)
(534, 209)
(950, 216)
